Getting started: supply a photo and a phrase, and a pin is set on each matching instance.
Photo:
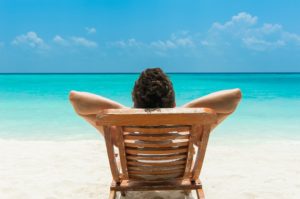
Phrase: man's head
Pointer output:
(153, 89)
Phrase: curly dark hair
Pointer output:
(153, 89)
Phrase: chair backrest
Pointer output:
(157, 145)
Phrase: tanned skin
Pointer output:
(87, 105)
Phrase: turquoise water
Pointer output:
(37, 107)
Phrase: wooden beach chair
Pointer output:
(162, 149)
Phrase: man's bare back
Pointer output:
(87, 105)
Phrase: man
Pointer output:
(153, 89)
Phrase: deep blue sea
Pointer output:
(36, 106)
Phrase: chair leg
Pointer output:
(187, 192)
(200, 194)
(123, 193)
(112, 194)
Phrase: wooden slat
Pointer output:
(200, 193)
(112, 194)
(201, 152)
(160, 164)
(149, 168)
(190, 155)
(147, 172)
(141, 117)
(134, 151)
(155, 138)
(157, 111)
(157, 145)
(156, 157)
(157, 177)
(157, 135)
(111, 154)
(146, 185)
(122, 153)
(156, 129)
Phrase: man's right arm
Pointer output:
(88, 105)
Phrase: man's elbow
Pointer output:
(238, 94)
(237, 99)
(73, 96)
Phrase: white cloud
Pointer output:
(81, 41)
(185, 42)
(270, 28)
(30, 39)
(243, 29)
(126, 43)
(74, 41)
(91, 30)
(244, 17)
(292, 37)
(182, 39)
(262, 45)
(240, 31)
(163, 45)
(60, 40)
(241, 20)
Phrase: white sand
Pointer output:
(79, 169)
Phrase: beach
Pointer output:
(48, 152)
(80, 169)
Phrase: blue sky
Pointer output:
(129, 35)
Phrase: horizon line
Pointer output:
(112, 73)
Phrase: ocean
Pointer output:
(36, 106)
